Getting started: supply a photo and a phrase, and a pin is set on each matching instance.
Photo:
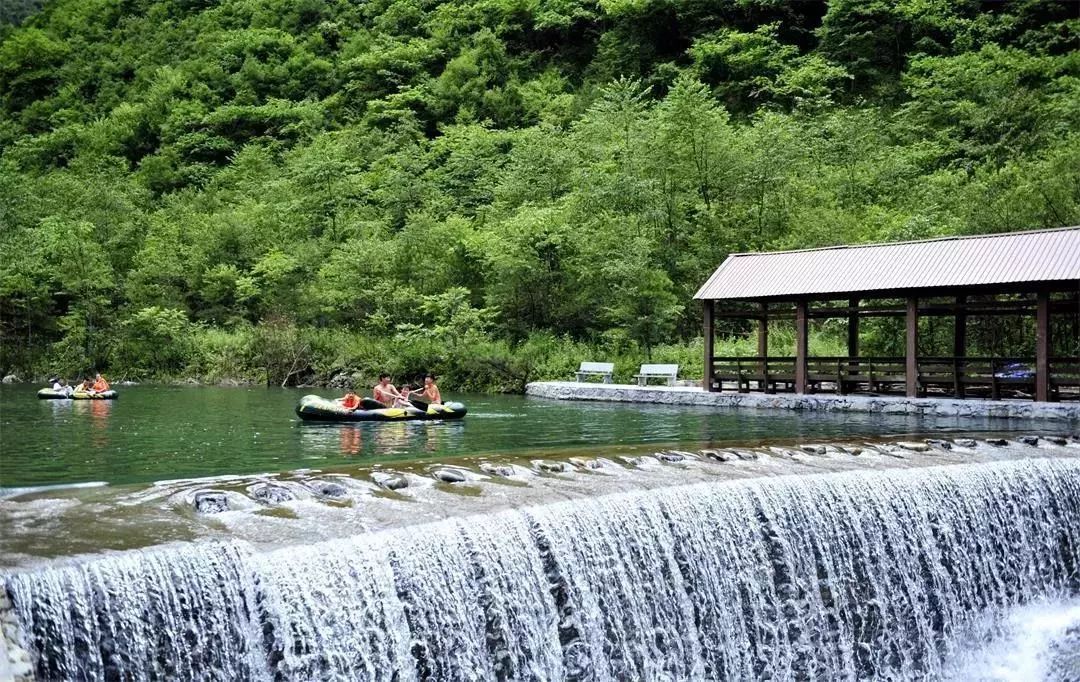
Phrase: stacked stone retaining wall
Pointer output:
(683, 395)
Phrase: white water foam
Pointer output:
(860, 575)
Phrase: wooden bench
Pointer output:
(647, 372)
(601, 369)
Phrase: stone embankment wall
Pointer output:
(932, 407)
(14, 659)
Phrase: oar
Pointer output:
(421, 405)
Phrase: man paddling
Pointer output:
(385, 392)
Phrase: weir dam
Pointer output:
(954, 560)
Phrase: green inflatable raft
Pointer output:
(316, 408)
(50, 394)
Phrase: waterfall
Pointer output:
(833, 576)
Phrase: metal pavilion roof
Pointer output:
(1007, 258)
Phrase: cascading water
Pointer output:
(834, 576)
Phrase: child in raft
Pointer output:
(351, 401)
(402, 399)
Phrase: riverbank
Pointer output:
(692, 395)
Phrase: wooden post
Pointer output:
(707, 306)
(1042, 346)
(852, 348)
(763, 331)
(802, 342)
(853, 330)
(763, 346)
(911, 367)
(959, 345)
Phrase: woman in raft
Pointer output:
(99, 385)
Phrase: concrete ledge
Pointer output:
(687, 395)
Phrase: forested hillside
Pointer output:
(493, 189)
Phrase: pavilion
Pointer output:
(1034, 274)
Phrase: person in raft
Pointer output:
(99, 385)
(431, 390)
(83, 386)
(61, 385)
(385, 392)
(351, 401)
(403, 399)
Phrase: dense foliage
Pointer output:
(495, 189)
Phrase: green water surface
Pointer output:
(154, 433)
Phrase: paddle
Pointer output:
(421, 405)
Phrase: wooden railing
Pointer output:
(959, 376)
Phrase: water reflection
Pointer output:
(98, 411)
(352, 440)
(384, 439)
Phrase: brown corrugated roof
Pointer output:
(1007, 258)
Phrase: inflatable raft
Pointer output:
(315, 408)
(50, 394)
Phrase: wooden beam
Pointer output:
(853, 328)
(1042, 347)
(911, 365)
(710, 335)
(802, 342)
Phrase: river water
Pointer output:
(576, 541)
(160, 432)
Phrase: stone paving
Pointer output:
(693, 395)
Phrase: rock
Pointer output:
(585, 463)
(329, 489)
(390, 481)
(502, 470)
(211, 502)
(268, 493)
(997, 441)
(813, 449)
(550, 466)
(11, 379)
(632, 461)
(1056, 440)
(746, 455)
(343, 380)
(718, 455)
(938, 443)
(1029, 440)
(670, 456)
(964, 442)
(913, 446)
(449, 475)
